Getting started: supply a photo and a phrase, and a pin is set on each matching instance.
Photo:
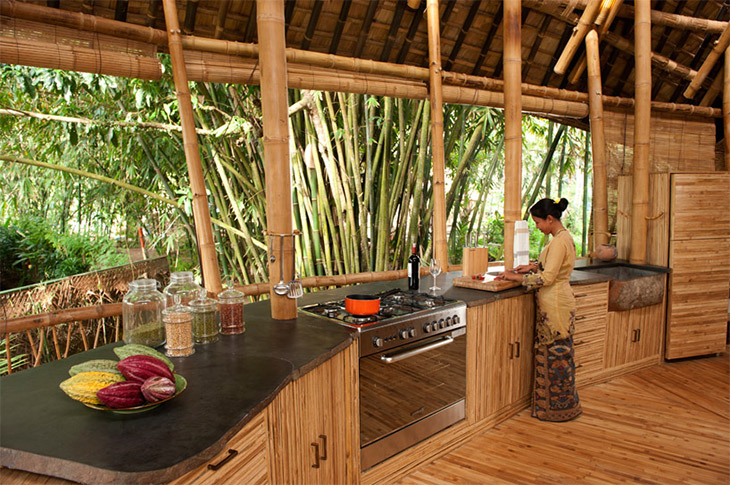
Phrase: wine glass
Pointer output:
(435, 270)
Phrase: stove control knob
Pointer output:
(448, 321)
(442, 324)
(403, 333)
(411, 332)
(377, 342)
(427, 327)
(434, 325)
(456, 319)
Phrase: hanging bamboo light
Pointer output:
(272, 57)
(598, 141)
(437, 134)
(642, 122)
(512, 125)
(201, 213)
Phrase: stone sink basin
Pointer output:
(631, 287)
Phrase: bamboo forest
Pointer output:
(92, 166)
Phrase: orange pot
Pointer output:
(362, 304)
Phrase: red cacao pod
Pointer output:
(157, 388)
(125, 394)
(139, 368)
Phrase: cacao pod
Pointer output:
(119, 395)
(157, 388)
(136, 349)
(84, 386)
(139, 368)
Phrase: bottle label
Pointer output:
(410, 270)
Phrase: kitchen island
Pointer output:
(275, 382)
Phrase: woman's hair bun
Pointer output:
(562, 204)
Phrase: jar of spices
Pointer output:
(182, 282)
(205, 318)
(178, 321)
(142, 310)
(230, 303)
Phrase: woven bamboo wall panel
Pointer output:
(700, 205)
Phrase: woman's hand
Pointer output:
(511, 275)
(525, 268)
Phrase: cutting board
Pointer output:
(494, 286)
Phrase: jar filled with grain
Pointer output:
(205, 318)
(230, 304)
(182, 283)
(178, 321)
(142, 310)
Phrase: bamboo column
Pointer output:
(720, 46)
(201, 213)
(726, 108)
(642, 122)
(272, 58)
(512, 125)
(584, 25)
(440, 248)
(598, 141)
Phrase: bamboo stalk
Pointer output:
(270, 25)
(598, 139)
(201, 214)
(726, 108)
(576, 37)
(512, 124)
(441, 251)
(720, 46)
(642, 132)
(605, 24)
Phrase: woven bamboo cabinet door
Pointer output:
(591, 314)
(699, 255)
(313, 423)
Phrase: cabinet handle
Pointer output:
(580, 342)
(634, 335)
(580, 317)
(579, 366)
(511, 351)
(316, 455)
(638, 335)
(324, 446)
(231, 454)
(517, 352)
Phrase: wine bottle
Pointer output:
(414, 269)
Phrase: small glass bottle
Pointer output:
(182, 282)
(178, 321)
(205, 318)
(142, 310)
(230, 303)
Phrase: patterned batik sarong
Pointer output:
(554, 396)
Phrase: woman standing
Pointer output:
(554, 396)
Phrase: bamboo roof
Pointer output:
(684, 33)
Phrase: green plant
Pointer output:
(19, 360)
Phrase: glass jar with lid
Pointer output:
(182, 282)
(142, 310)
(178, 321)
(230, 304)
(205, 318)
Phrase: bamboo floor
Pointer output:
(666, 424)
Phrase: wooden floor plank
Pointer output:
(663, 425)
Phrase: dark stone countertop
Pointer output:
(229, 382)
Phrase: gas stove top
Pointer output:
(404, 317)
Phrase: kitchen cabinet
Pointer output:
(633, 338)
(499, 356)
(244, 459)
(591, 315)
(313, 425)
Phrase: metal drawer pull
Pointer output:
(231, 454)
(324, 446)
(517, 352)
(316, 455)
(398, 356)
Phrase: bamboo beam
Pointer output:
(726, 108)
(512, 56)
(720, 46)
(576, 38)
(642, 133)
(604, 26)
(598, 142)
(201, 213)
(440, 250)
(272, 57)
(20, 324)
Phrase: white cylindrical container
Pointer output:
(522, 243)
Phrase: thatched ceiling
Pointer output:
(471, 35)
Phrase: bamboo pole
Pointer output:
(201, 213)
(440, 249)
(20, 324)
(642, 122)
(610, 14)
(726, 108)
(598, 140)
(576, 37)
(272, 57)
(720, 46)
(512, 124)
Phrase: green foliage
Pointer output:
(17, 361)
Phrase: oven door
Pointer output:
(410, 393)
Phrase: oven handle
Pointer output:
(398, 356)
